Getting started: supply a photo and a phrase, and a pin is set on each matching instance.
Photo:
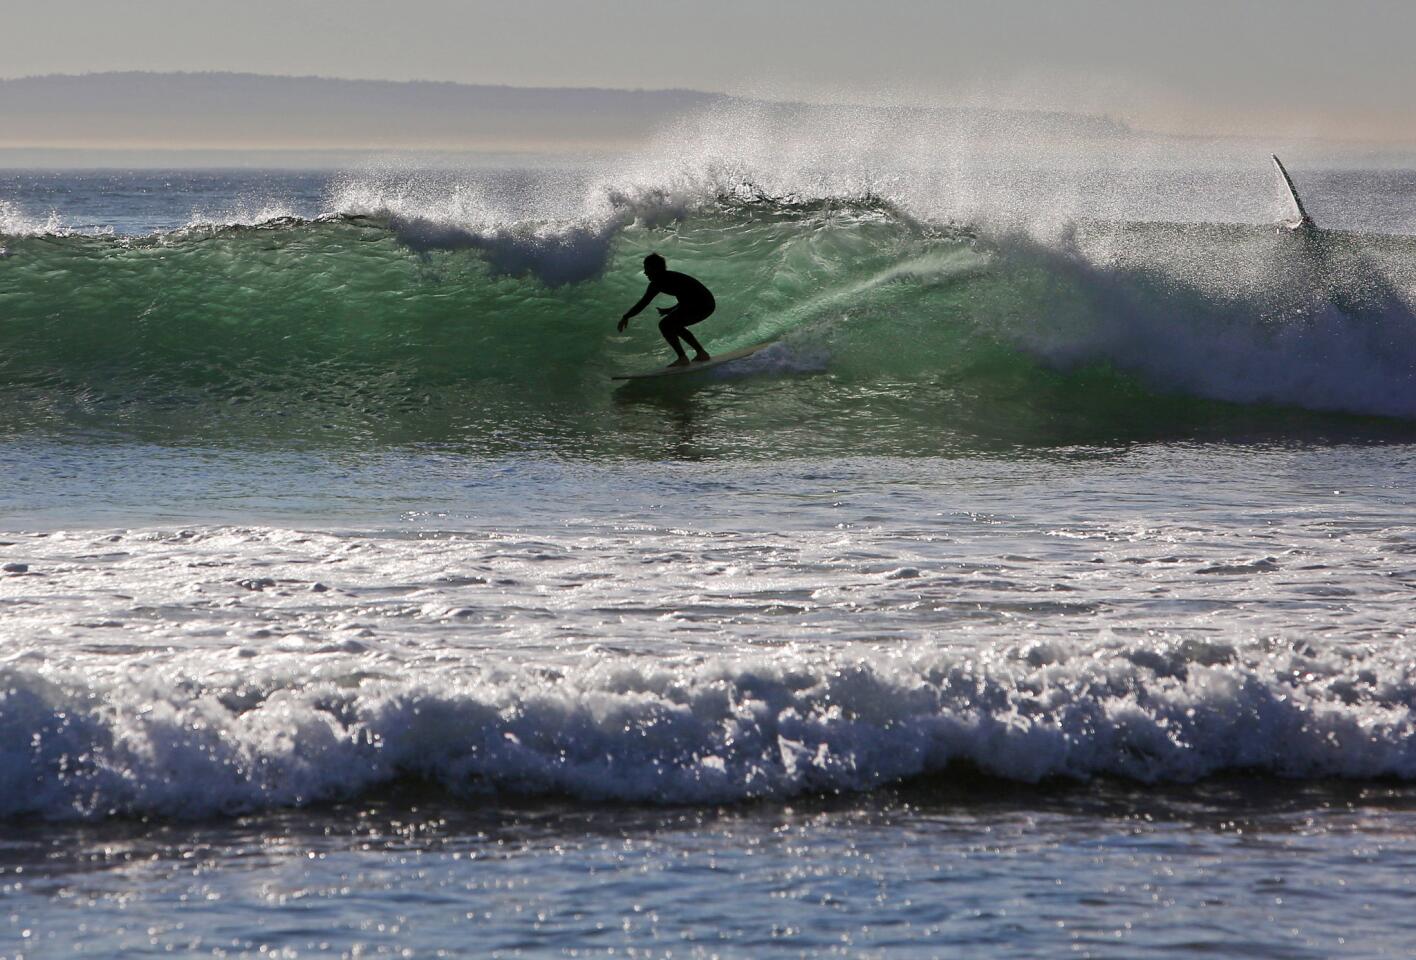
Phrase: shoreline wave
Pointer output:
(161, 742)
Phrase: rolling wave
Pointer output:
(396, 322)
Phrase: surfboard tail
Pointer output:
(1299, 219)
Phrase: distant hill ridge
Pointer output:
(229, 110)
(245, 111)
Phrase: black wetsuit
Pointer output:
(695, 302)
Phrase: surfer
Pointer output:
(695, 303)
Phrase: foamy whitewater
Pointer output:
(1045, 587)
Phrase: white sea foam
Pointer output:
(212, 670)
(155, 738)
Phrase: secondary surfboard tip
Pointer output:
(1298, 219)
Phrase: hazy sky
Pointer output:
(1288, 64)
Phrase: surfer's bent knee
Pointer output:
(681, 317)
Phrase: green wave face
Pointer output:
(890, 336)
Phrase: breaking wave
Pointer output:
(408, 321)
(720, 730)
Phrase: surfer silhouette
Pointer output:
(695, 304)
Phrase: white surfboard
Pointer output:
(718, 360)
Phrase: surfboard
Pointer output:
(718, 360)
(1301, 219)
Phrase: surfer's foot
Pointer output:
(702, 355)
(680, 362)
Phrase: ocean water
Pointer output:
(1044, 589)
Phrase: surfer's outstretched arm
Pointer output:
(649, 294)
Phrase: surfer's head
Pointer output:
(654, 265)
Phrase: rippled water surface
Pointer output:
(1234, 868)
